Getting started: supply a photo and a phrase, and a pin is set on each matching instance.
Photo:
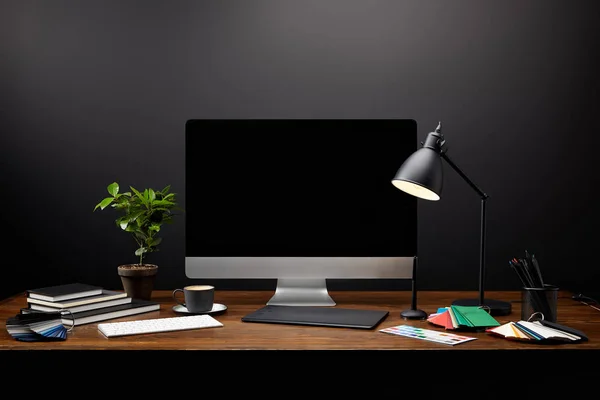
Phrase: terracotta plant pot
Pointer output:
(138, 279)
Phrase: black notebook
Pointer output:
(64, 292)
(319, 316)
(104, 296)
(136, 306)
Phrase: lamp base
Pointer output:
(413, 314)
(497, 307)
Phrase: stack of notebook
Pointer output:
(463, 317)
(80, 303)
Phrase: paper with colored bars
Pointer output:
(463, 317)
(537, 332)
(427, 334)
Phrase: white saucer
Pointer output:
(217, 308)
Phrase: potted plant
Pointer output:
(142, 215)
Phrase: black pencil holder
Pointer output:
(542, 300)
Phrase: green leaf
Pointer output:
(166, 189)
(151, 195)
(139, 195)
(113, 188)
(141, 236)
(104, 203)
(141, 251)
(158, 203)
(169, 196)
(135, 215)
(123, 222)
(154, 228)
(155, 241)
(141, 220)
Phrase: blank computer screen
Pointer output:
(298, 188)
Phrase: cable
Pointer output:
(586, 300)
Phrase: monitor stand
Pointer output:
(301, 292)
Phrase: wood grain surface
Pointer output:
(238, 335)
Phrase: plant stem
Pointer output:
(141, 245)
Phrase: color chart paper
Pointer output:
(427, 334)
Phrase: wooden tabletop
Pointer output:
(238, 335)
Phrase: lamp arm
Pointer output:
(476, 188)
(484, 197)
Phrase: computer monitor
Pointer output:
(301, 201)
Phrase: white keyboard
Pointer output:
(157, 325)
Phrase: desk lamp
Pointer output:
(421, 175)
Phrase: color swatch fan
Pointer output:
(40, 326)
(441, 318)
(538, 332)
(463, 317)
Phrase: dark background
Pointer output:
(97, 91)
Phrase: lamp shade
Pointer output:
(421, 174)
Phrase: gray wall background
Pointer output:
(97, 91)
